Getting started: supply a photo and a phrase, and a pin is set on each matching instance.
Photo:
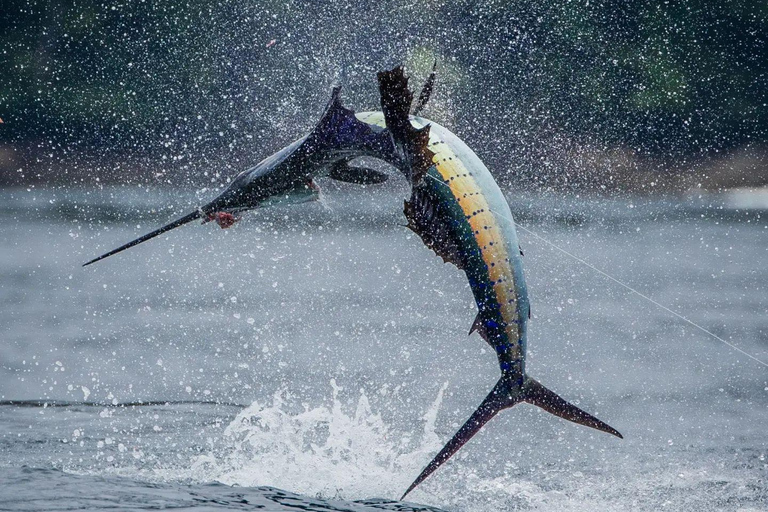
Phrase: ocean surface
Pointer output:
(316, 357)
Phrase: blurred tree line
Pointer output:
(178, 80)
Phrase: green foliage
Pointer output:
(661, 77)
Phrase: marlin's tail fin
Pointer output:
(538, 395)
(493, 403)
(507, 394)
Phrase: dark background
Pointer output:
(592, 94)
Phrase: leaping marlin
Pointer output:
(455, 207)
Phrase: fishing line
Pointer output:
(619, 282)
(633, 290)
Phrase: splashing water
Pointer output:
(321, 451)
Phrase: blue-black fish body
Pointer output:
(458, 210)
(456, 207)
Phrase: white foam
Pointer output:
(321, 451)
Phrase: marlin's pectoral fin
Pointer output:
(360, 175)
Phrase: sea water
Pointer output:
(316, 357)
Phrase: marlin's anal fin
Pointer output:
(476, 325)
(509, 391)
(359, 175)
(479, 326)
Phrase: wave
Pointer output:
(323, 451)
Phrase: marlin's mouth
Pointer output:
(223, 219)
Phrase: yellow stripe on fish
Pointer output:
(485, 229)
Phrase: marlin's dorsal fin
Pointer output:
(411, 142)
(339, 127)
(426, 91)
